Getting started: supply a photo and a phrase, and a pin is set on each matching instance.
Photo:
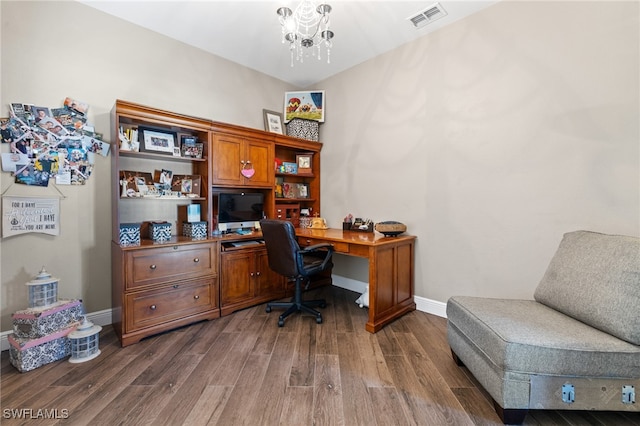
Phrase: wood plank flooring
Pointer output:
(243, 369)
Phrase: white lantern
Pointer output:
(84, 342)
(43, 290)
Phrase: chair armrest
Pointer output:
(316, 247)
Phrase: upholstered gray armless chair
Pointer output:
(288, 259)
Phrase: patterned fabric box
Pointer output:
(304, 129)
(34, 323)
(160, 231)
(195, 230)
(129, 234)
(28, 354)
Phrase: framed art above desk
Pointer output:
(391, 268)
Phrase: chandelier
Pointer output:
(306, 29)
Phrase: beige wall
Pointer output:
(489, 138)
(51, 50)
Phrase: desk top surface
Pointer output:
(352, 237)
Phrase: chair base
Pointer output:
(298, 306)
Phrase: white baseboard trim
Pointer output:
(423, 304)
(101, 318)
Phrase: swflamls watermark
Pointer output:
(35, 413)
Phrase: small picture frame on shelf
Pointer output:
(190, 147)
(289, 190)
(304, 162)
(272, 121)
(290, 168)
(187, 184)
(158, 141)
(302, 190)
(192, 151)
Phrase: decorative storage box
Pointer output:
(195, 230)
(34, 323)
(160, 231)
(129, 234)
(304, 129)
(28, 354)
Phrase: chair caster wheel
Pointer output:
(280, 323)
(319, 320)
(268, 309)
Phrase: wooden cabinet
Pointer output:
(242, 161)
(159, 288)
(247, 280)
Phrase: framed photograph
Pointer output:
(302, 190)
(187, 184)
(272, 122)
(307, 105)
(304, 162)
(157, 141)
(193, 151)
(291, 168)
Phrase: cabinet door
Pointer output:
(237, 272)
(269, 283)
(262, 159)
(228, 152)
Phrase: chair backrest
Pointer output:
(282, 246)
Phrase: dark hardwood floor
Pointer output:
(243, 369)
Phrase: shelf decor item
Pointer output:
(305, 162)
(35, 323)
(195, 230)
(129, 234)
(304, 129)
(160, 232)
(272, 121)
(84, 342)
(157, 141)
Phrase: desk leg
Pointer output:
(391, 283)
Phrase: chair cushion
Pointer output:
(524, 336)
(595, 278)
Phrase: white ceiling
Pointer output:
(248, 32)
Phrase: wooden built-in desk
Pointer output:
(391, 268)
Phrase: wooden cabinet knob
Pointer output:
(196, 297)
(153, 307)
(196, 260)
(176, 285)
(152, 267)
(258, 273)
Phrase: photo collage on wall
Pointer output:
(50, 143)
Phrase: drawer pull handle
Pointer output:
(153, 307)
(152, 267)
(251, 274)
(196, 297)
(175, 247)
(176, 286)
(196, 260)
(258, 273)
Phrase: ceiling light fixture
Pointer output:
(306, 27)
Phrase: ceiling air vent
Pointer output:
(427, 16)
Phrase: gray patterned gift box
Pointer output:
(160, 231)
(195, 230)
(304, 129)
(28, 354)
(34, 323)
(129, 234)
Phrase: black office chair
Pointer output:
(288, 259)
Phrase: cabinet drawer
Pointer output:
(165, 264)
(152, 307)
(339, 247)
